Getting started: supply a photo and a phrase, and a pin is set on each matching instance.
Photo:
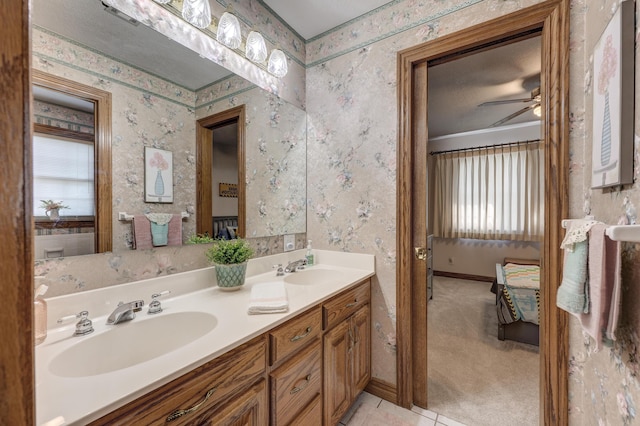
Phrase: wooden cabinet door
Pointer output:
(337, 372)
(361, 352)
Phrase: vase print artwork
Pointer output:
(607, 72)
(159, 186)
(158, 175)
(605, 143)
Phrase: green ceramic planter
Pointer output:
(230, 277)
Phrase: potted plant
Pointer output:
(52, 208)
(230, 257)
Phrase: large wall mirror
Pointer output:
(159, 91)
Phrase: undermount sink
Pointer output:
(312, 276)
(131, 343)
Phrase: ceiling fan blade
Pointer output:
(514, 115)
(506, 101)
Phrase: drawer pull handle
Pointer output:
(304, 385)
(301, 336)
(352, 304)
(179, 413)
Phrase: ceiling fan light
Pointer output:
(256, 49)
(229, 31)
(197, 13)
(537, 110)
(277, 63)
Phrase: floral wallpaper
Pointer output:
(59, 116)
(603, 385)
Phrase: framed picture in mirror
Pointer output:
(158, 175)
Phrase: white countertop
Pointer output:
(79, 400)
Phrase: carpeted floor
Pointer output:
(475, 378)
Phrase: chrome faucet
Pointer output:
(125, 312)
(296, 265)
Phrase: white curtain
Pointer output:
(493, 193)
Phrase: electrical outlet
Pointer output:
(289, 242)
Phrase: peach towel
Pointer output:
(604, 287)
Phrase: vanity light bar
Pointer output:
(129, 217)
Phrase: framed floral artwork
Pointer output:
(158, 176)
(613, 68)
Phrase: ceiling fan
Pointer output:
(535, 106)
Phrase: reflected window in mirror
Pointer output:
(63, 191)
(71, 168)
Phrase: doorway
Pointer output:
(206, 130)
(551, 20)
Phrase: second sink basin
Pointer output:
(131, 343)
(312, 276)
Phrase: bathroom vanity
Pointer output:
(303, 367)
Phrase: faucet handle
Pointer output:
(84, 326)
(279, 269)
(154, 306)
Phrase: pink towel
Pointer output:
(604, 286)
(141, 233)
(174, 234)
(142, 239)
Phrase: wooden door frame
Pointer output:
(17, 400)
(102, 149)
(204, 162)
(552, 18)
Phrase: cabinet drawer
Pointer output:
(295, 334)
(295, 384)
(203, 387)
(343, 305)
(311, 415)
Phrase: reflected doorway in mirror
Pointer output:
(158, 175)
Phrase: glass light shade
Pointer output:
(197, 13)
(163, 1)
(537, 110)
(277, 63)
(256, 49)
(229, 31)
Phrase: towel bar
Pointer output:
(629, 233)
(129, 217)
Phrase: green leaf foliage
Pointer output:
(227, 252)
(200, 239)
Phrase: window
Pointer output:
(63, 171)
(493, 193)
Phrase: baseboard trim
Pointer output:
(383, 390)
(463, 276)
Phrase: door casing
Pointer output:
(204, 163)
(551, 18)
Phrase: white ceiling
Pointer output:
(313, 17)
(455, 88)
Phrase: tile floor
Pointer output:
(369, 410)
